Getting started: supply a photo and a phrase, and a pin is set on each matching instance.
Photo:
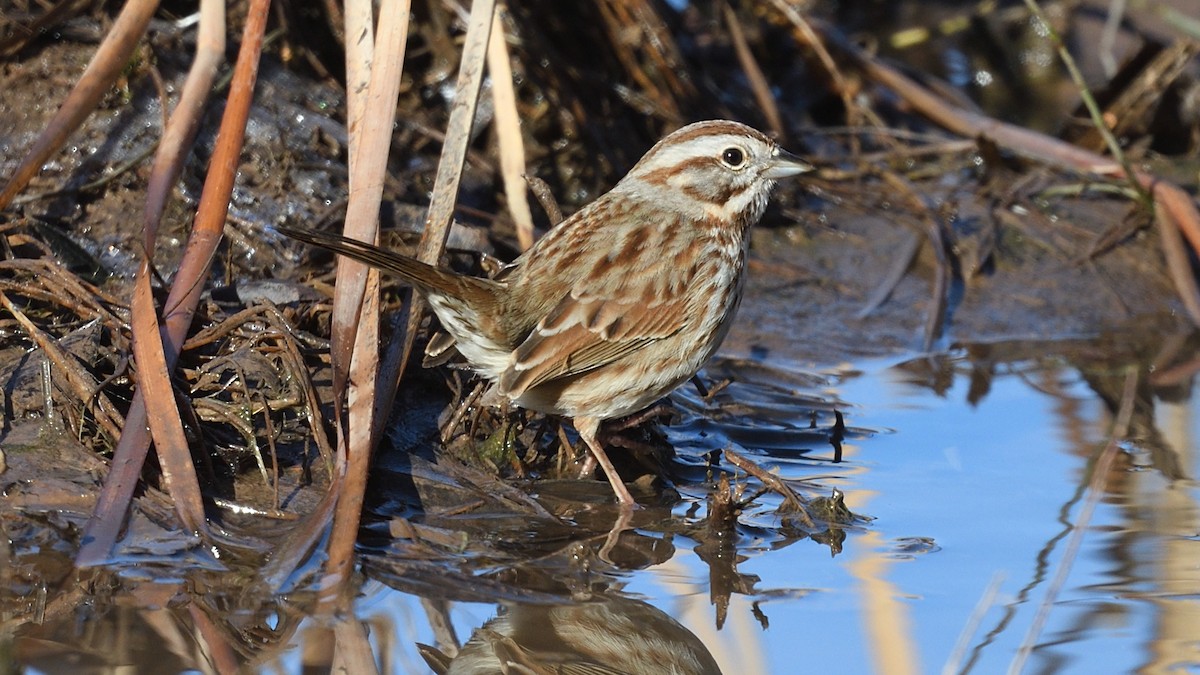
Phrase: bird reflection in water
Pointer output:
(603, 636)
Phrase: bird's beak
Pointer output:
(784, 164)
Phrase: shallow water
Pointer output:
(968, 469)
(971, 504)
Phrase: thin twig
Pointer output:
(795, 503)
(758, 81)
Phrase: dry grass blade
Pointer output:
(1178, 263)
(181, 128)
(65, 288)
(218, 648)
(374, 86)
(209, 224)
(1176, 203)
(154, 372)
(78, 379)
(359, 438)
(101, 530)
(508, 134)
(312, 399)
(166, 427)
(356, 298)
(99, 75)
(359, 51)
(112, 503)
(433, 241)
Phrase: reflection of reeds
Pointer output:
(1100, 472)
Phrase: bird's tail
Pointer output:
(425, 278)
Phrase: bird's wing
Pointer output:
(586, 331)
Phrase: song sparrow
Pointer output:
(623, 301)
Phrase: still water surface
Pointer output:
(973, 473)
(968, 470)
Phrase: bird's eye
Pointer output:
(734, 157)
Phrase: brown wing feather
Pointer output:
(584, 334)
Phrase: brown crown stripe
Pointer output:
(717, 128)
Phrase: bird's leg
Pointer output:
(588, 464)
(662, 409)
(587, 428)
